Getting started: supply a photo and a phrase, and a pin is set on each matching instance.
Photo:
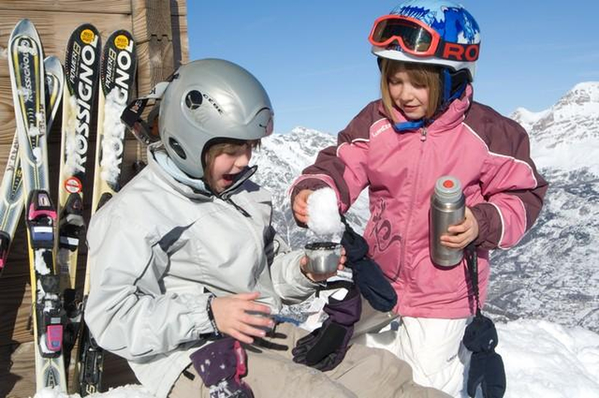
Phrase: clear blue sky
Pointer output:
(313, 56)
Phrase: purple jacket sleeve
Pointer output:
(510, 183)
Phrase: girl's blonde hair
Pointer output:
(229, 146)
(421, 74)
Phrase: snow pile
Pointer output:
(73, 161)
(324, 218)
(114, 134)
(544, 359)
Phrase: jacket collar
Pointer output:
(452, 117)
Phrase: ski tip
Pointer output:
(87, 33)
(24, 27)
(119, 32)
(52, 63)
(53, 66)
(121, 40)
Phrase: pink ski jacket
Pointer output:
(487, 152)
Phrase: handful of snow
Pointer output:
(323, 213)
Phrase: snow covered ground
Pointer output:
(542, 359)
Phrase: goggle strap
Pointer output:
(134, 122)
(132, 114)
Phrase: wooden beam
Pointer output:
(145, 76)
(179, 7)
(81, 6)
(180, 40)
(152, 26)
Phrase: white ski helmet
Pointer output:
(207, 100)
(438, 32)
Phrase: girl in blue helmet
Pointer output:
(425, 126)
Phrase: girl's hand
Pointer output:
(233, 316)
(300, 206)
(462, 234)
(322, 277)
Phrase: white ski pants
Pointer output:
(433, 347)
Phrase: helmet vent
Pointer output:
(193, 99)
(176, 147)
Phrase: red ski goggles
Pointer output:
(418, 39)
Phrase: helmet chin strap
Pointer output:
(454, 85)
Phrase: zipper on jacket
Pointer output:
(402, 257)
(239, 208)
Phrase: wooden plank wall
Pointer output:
(160, 29)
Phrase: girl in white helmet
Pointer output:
(425, 126)
(187, 273)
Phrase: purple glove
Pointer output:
(325, 347)
(221, 365)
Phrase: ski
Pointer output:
(27, 82)
(82, 59)
(11, 189)
(117, 76)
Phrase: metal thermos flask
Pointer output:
(448, 207)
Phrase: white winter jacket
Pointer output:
(158, 248)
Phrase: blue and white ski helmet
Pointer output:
(454, 32)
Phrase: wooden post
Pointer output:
(161, 40)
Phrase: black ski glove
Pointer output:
(325, 347)
(486, 366)
(367, 274)
(221, 365)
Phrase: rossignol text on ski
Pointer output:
(82, 58)
(117, 76)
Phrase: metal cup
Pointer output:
(323, 257)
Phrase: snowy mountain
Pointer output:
(565, 137)
(552, 274)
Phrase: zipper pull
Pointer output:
(423, 133)
(239, 208)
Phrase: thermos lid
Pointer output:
(448, 188)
